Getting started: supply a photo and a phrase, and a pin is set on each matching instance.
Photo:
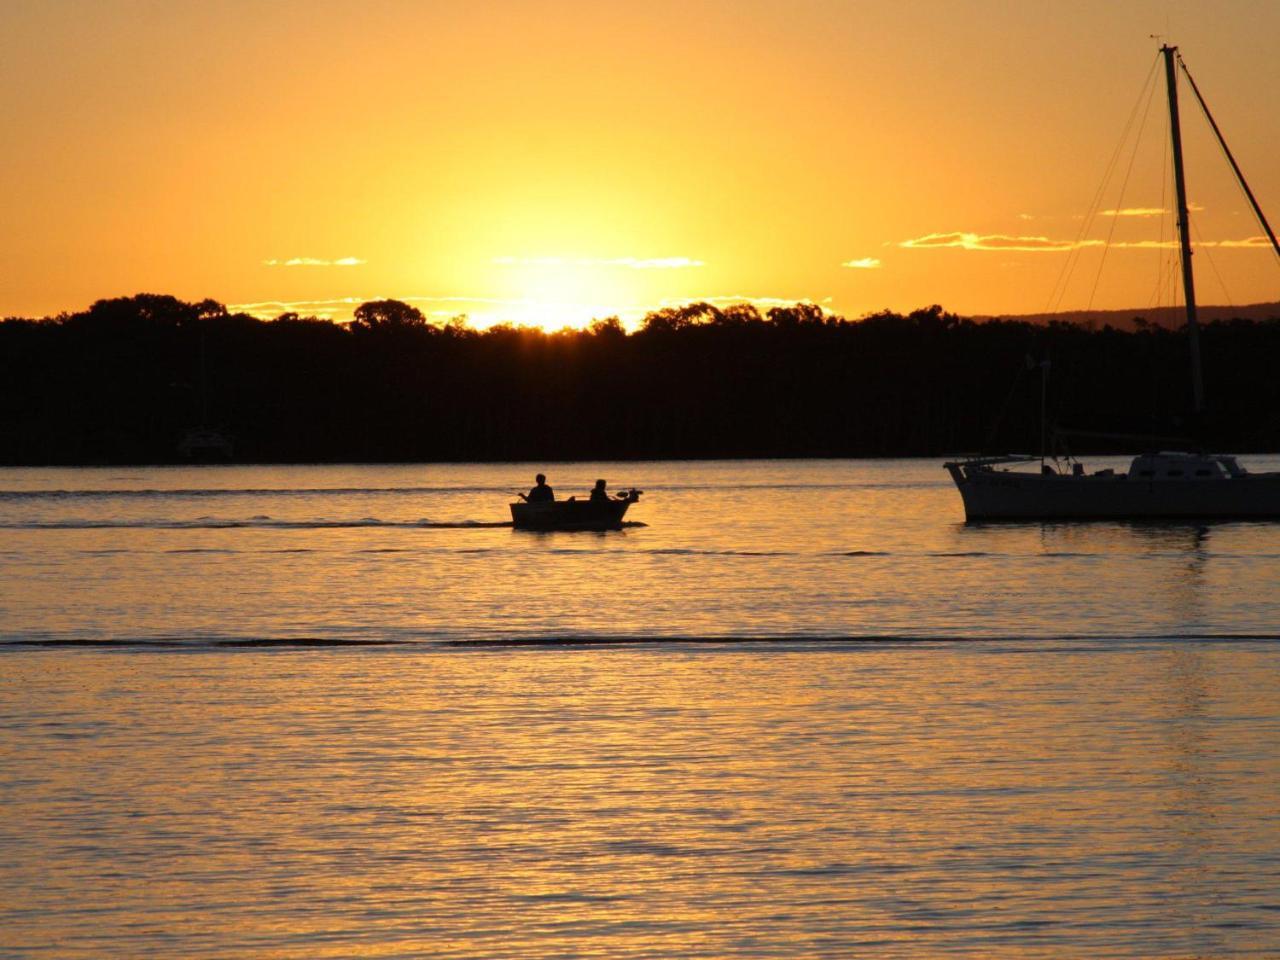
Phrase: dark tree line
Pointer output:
(127, 379)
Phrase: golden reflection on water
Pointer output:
(745, 549)
(887, 800)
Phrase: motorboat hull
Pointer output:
(570, 514)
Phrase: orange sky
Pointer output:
(547, 162)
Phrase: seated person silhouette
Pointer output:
(540, 493)
(598, 492)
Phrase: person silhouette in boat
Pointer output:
(541, 493)
(600, 494)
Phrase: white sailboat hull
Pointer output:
(1017, 495)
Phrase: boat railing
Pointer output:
(991, 461)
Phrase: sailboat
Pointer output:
(1179, 485)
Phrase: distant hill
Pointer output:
(1170, 317)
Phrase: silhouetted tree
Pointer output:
(121, 381)
(608, 327)
(383, 314)
(797, 315)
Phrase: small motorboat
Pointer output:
(573, 514)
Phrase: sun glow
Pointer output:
(548, 315)
(569, 292)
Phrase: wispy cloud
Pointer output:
(1005, 244)
(1146, 211)
(634, 263)
(866, 263)
(995, 241)
(1136, 212)
(743, 298)
(348, 304)
(1248, 243)
(269, 308)
(315, 262)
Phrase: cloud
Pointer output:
(334, 303)
(269, 307)
(634, 263)
(762, 302)
(315, 262)
(866, 263)
(995, 241)
(1005, 244)
(1136, 212)
(1147, 211)
(1247, 243)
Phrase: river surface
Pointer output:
(342, 711)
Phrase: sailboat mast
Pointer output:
(1184, 230)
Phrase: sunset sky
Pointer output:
(549, 162)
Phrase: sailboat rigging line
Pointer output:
(1170, 264)
(1164, 264)
(1244, 185)
(1124, 186)
(1059, 290)
(1173, 257)
(989, 442)
(1208, 255)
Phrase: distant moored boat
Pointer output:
(1171, 486)
(205, 446)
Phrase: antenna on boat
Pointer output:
(1184, 229)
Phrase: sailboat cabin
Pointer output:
(1184, 466)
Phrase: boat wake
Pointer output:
(208, 492)
(1030, 644)
(213, 523)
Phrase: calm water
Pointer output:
(757, 549)
(1048, 741)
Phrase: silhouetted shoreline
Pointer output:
(130, 380)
